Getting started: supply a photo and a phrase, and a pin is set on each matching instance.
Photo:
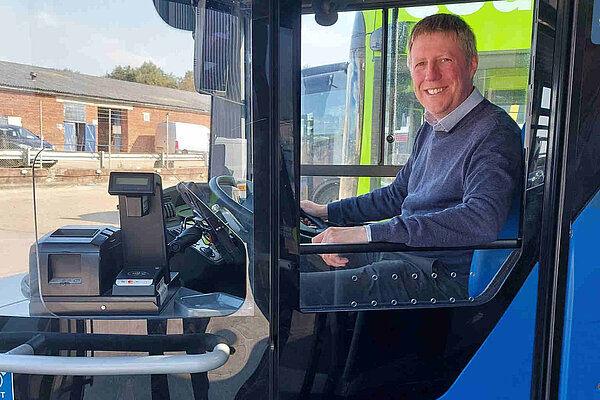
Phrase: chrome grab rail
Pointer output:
(208, 352)
(22, 360)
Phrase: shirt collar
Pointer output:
(449, 121)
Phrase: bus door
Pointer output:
(566, 343)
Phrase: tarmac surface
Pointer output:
(56, 206)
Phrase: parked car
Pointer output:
(13, 137)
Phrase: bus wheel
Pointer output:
(327, 193)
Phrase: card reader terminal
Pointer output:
(107, 270)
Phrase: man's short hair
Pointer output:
(445, 23)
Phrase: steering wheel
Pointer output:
(245, 215)
(239, 211)
(316, 221)
(227, 243)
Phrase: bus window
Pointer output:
(332, 100)
(344, 109)
(501, 78)
(381, 122)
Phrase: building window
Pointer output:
(74, 112)
(75, 139)
(112, 123)
(146, 117)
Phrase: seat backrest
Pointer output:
(486, 263)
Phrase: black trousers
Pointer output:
(382, 279)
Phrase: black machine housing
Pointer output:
(106, 270)
(78, 260)
(93, 271)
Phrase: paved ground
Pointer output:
(56, 206)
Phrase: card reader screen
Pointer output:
(131, 183)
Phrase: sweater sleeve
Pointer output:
(381, 203)
(490, 178)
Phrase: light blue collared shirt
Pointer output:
(447, 123)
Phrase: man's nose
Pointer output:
(432, 72)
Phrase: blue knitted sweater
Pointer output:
(455, 189)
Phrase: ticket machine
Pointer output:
(105, 270)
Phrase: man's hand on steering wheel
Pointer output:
(314, 209)
(353, 234)
(313, 214)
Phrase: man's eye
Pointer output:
(419, 64)
(446, 60)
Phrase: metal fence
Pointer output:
(75, 159)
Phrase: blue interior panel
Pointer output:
(581, 347)
(501, 368)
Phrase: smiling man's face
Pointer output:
(442, 77)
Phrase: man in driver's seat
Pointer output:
(455, 189)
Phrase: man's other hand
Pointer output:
(354, 234)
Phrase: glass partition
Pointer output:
(381, 119)
(17, 227)
(120, 149)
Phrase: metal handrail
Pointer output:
(100, 156)
(334, 248)
(26, 356)
(22, 360)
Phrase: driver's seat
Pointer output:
(486, 263)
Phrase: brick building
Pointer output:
(78, 112)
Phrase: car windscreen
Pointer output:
(25, 134)
(9, 132)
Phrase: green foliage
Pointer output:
(122, 73)
(187, 82)
(151, 74)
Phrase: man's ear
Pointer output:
(473, 65)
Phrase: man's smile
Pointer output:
(434, 91)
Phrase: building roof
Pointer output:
(73, 84)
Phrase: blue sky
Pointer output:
(92, 37)
(326, 44)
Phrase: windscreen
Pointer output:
(99, 222)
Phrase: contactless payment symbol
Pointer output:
(6, 386)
